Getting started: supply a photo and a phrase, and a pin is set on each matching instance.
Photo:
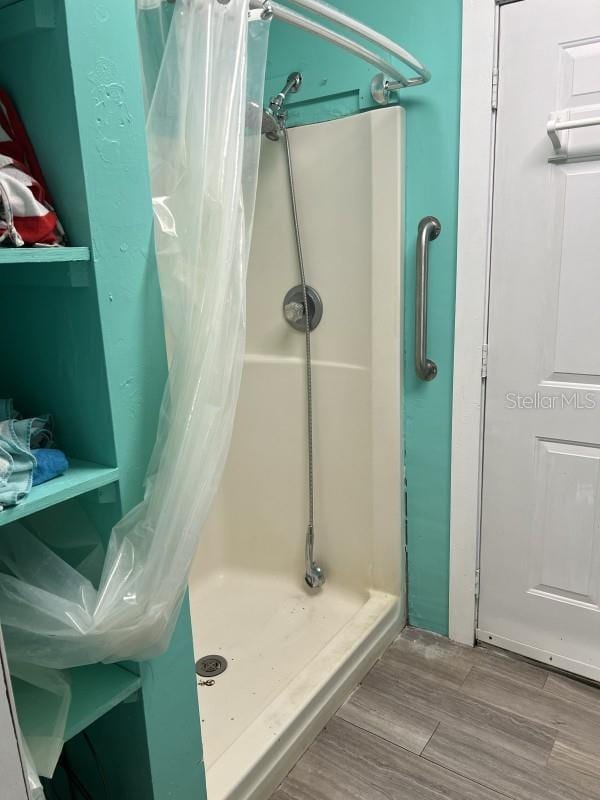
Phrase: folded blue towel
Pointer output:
(49, 464)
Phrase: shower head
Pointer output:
(271, 124)
(273, 118)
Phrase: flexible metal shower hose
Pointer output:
(309, 399)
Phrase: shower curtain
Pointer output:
(204, 106)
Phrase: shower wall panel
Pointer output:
(348, 190)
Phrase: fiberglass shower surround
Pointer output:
(294, 653)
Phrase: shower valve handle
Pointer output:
(294, 312)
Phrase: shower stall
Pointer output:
(294, 652)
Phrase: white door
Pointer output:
(540, 540)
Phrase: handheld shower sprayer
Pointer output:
(302, 310)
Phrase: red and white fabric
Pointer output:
(26, 213)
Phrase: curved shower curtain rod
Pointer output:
(381, 86)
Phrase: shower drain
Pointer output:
(209, 666)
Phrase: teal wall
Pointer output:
(337, 84)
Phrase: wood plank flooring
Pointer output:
(437, 721)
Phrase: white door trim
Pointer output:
(477, 124)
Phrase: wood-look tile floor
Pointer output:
(437, 721)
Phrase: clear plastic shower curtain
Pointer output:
(203, 131)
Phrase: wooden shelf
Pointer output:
(95, 690)
(44, 266)
(81, 477)
(43, 255)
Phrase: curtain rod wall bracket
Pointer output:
(380, 89)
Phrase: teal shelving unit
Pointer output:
(83, 339)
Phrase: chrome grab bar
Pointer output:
(429, 229)
(557, 123)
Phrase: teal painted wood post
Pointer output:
(172, 719)
(110, 118)
(337, 84)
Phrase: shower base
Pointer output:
(293, 657)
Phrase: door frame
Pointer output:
(480, 29)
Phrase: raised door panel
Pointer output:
(565, 535)
(576, 351)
